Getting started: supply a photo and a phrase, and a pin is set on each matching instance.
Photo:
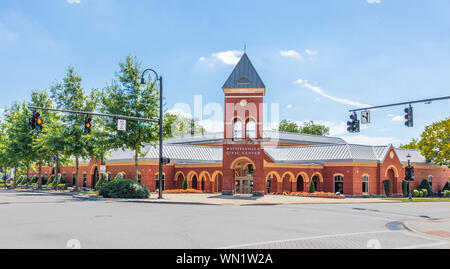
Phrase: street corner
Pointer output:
(434, 228)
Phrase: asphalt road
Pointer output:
(30, 220)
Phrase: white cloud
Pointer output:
(321, 92)
(370, 140)
(374, 1)
(229, 57)
(180, 113)
(395, 117)
(290, 53)
(311, 52)
(289, 106)
(74, 1)
(299, 81)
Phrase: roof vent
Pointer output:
(243, 80)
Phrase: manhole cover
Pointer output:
(395, 226)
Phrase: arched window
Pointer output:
(250, 129)
(73, 179)
(339, 184)
(430, 181)
(139, 178)
(237, 129)
(365, 185)
(84, 180)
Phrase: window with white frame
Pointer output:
(365, 184)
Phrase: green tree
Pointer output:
(185, 184)
(126, 96)
(312, 187)
(308, 127)
(435, 142)
(19, 138)
(288, 126)
(175, 126)
(314, 129)
(414, 144)
(69, 94)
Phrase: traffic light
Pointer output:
(39, 122)
(87, 125)
(409, 172)
(409, 117)
(353, 125)
(32, 123)
(165, 161)
(35, 122)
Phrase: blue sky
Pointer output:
(318, 59)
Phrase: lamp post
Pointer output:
(160, 122)
(409, 182)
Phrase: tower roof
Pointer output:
(244, 76)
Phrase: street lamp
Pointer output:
(409, 182)
(160, 121)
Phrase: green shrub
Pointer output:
(119, 176)
(387, 186)
(104, 178)
(312, 188)
(425, 185)
(185, 184)
(425, 192)
(415, 193)
(51, 180)
(124, 188)
(34, 180)
(62, 186)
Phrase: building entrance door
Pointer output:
(244, 185)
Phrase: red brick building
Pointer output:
(246, 159)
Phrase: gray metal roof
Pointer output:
(317, 154)
(267, 135)
(244, 76)
(177, 153)
(342, 152)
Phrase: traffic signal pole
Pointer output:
(403, 103)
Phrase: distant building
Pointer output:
(245, 159)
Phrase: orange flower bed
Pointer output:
(182, 191)
(319, 194)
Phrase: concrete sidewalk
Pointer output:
(217, 199)
(439, 229)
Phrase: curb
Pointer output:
(408, 227)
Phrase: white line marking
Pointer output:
(306, 238)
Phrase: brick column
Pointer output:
(228, 182)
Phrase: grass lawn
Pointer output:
(420, 199)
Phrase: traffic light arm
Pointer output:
(95, 114)
(403, 103)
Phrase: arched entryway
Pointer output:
(287, 180)
(243, 175)
(180, 179)
(217, 181)
(300, 183)
(95, 177)
(272, 180)
(315, 179)
(392, 175)
(194, 182)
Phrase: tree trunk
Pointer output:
(28, 175)
(76, 174)
(14, 179)
(136, 165)
(40, 176)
